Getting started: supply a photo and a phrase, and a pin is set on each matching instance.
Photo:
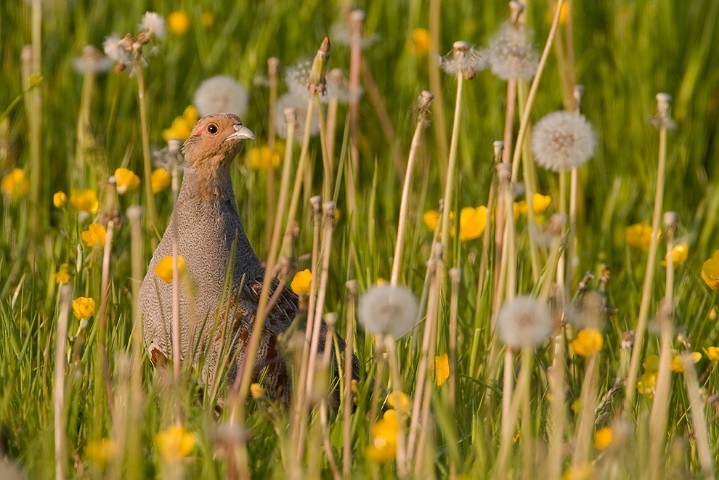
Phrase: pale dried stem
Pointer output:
(146, 156)
(404, 204)
(647, 288)
(434, 275)
(588, 397)
(102, 320)
(59, 390)
(451, 166)
(704, 451)
(347, 405)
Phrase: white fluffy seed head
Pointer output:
(221, 94)
(562, 141)
(298, 102)
(511, 54)
(154, 24)
(524, 322)
(91, 61)
(115, 50)
(388, 310)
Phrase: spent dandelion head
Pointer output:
(118, 49)
(92, 61)
(351, 32)
(170, 156)
(562, 141)
(663, 118)
(153, 24)
(511, 54)
(464, 59)
(388, 310)
(337, 87)
(221, 94)
(297, 102)
(524, 322)
(421, 108)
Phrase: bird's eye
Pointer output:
(212, 128)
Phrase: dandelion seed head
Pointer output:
(663, 118)
(511, 54)
(524, 322)
(298, 102)
(464, 59)
(117, 50)
(297, 77)
(562, 141)
(91, 61)
(337, 88)
(154, 24)
(221, 94)
(388, 310)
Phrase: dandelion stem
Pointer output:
(524, 124)
(449, 187)
(435, 84)
(147, 161)
(302, 166)
(586, 421)
(59, 393)
(102, 324)
(647, 288)
(404, 204)
(698, 419)
(347, 406)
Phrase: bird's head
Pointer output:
(215, 140)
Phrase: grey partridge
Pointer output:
(216, 318)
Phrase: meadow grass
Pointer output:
(559, 407)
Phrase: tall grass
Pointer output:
(58, 403)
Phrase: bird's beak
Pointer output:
(241, 133)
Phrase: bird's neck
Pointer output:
(210, 202)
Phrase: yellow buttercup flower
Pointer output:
(581, 472)
(262, 158)
(431, 219)
(712, 353)
(62, 276)
(421, 42)
(603, 438)
(399, 401)
(651, 363)
(160, 179)
(576, 406)
(94, 235)
(174, 443)
(301, 282)
(101, 452)
(710, 271)
(83, 307)
(588, 342)
(646, 383)
(178, 23)
(678, 364)
(257, 391)
(84, 200)
(639, 235)
(540, 203)
(472, 222)
(163, 269)
(441, 368)
(563, 13)
(182, 126)
(383, 446)
(207, 19)
(680, 253)
(59, 199)
(126, 180)
(14, 184)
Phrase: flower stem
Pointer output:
(449, 186)
(631, 382)
(146, 157)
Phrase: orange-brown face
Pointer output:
(215, 140)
